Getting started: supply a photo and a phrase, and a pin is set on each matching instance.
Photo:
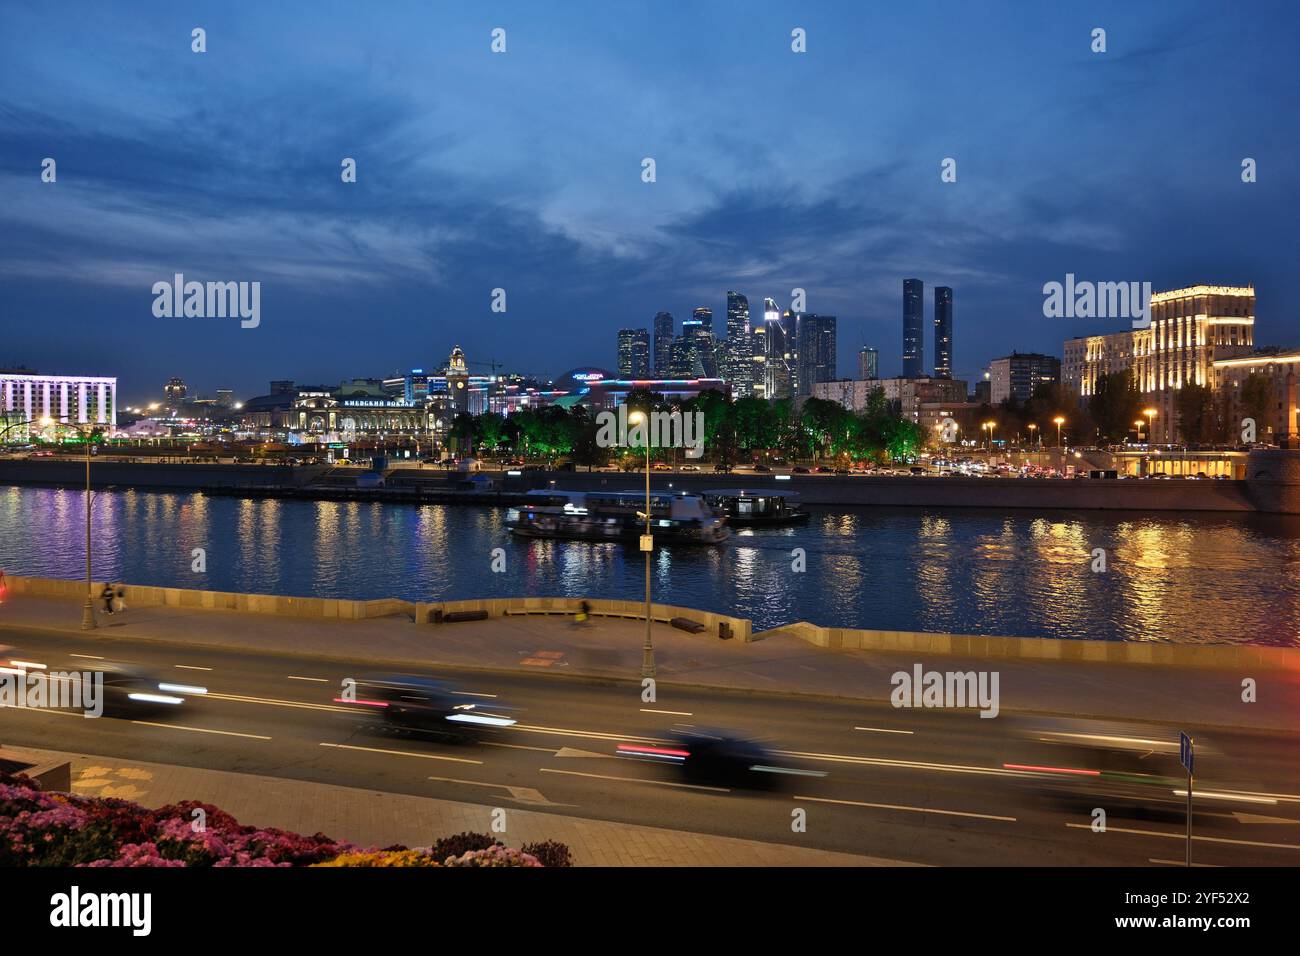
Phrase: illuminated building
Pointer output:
(942, 332)
(1019, 374)
(74, 399)
(913, 328)
(634, 353)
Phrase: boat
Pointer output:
(756, 509)
(675, 518)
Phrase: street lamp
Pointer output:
(990, 426)
(1139, 423)
(647, 545)
(1150, 413)
(1032, 428)
(1059, 420)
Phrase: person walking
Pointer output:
(106, 595)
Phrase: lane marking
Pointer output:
(318, 680)
(89, 657)
(200, 730)
(884, 730)
(402, 753)
(466, 693)
(493, 743)
(301, 705)
(1180, 863)
(1183, 836)
(593, 734)
(660, 783)
(895, 806)
(518, 794)
(906, 764)
(191, 667)
(673, 713)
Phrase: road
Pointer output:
(926, 786)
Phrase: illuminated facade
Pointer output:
(1275, 416)
(1190, 330)
(73, 399)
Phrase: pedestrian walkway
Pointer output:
(610, 648)
(373, 818)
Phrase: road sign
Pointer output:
(1186, 755)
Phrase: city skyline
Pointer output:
(1061, 158)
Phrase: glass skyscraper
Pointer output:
(913, 328)
(942, 332)
(663, 338)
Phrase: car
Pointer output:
(918, 470)
(722, 469)
(707, 757)
(824, 469)
(841, 471)
(799, 470)
(689, 468)
(662, 466)
(412, 704)
(760, 467)
(130, 691)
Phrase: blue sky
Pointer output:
(522, 170)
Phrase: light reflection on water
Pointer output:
(1214, 578)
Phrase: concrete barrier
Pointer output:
(712, 622)
(1242, 658)
(143, 595)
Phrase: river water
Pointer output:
(1168, 577)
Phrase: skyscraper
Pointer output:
(778, 376)
(697, 345)
(913, 328)
(942, 332)
(663, 331)
(816, 352)
(868, 363)
(740, 359)
(704, 316)
(633, 353)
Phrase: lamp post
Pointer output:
(1150, 413)
(647, 546)
(990, 426)
(1059, 420)
(1032, 428)
(1139, 423)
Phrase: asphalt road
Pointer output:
(926, 786)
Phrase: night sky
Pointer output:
(522, 170)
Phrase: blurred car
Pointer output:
(718, 758)
(407, 703)
(761, 467)
(131, 691)
(799, 470)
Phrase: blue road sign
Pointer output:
(1186, 755)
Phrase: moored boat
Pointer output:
(678, 518)
(748, 508)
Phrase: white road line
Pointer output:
(1178, 863)
(884, 730)
(89, 657)
(469, 783)
(402, 753)
(466, 693)
(493, 743)
(191, 667)
(906, 764)
(318, 680)
(895, 806)
(593, 734)
(1183, 836)
(674, 713)
(660, 783)
(301, 705)
(200, 730)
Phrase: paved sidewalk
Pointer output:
(372, 818)
(610, 648)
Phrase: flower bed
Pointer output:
(39, 828)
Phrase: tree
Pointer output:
(1256, 402)
(1114, 406)
(1194, 404)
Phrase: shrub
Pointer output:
(550, 853)
(382, 858)
(461, 844)
(497, 855)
